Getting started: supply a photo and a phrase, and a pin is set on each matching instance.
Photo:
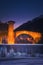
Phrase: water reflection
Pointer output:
(16, 51)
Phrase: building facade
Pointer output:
(6, 32)
(8, 35)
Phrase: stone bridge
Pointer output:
(35, 35)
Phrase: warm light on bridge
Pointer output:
(11, 34)
(36, 36)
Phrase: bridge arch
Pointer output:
(24, 38)
(35, 35)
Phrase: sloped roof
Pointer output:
(35, 25)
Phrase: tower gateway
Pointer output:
(7, 32)
(11, 39)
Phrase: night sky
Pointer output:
(20, 10)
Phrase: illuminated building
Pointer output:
(11, 39)
(8, 35)
(6, 32)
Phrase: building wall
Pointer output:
(3, 37)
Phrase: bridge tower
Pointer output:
(11, 39)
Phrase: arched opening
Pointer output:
(24, 38)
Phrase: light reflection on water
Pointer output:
(34, 58)
(21, 50)
(30, 61)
